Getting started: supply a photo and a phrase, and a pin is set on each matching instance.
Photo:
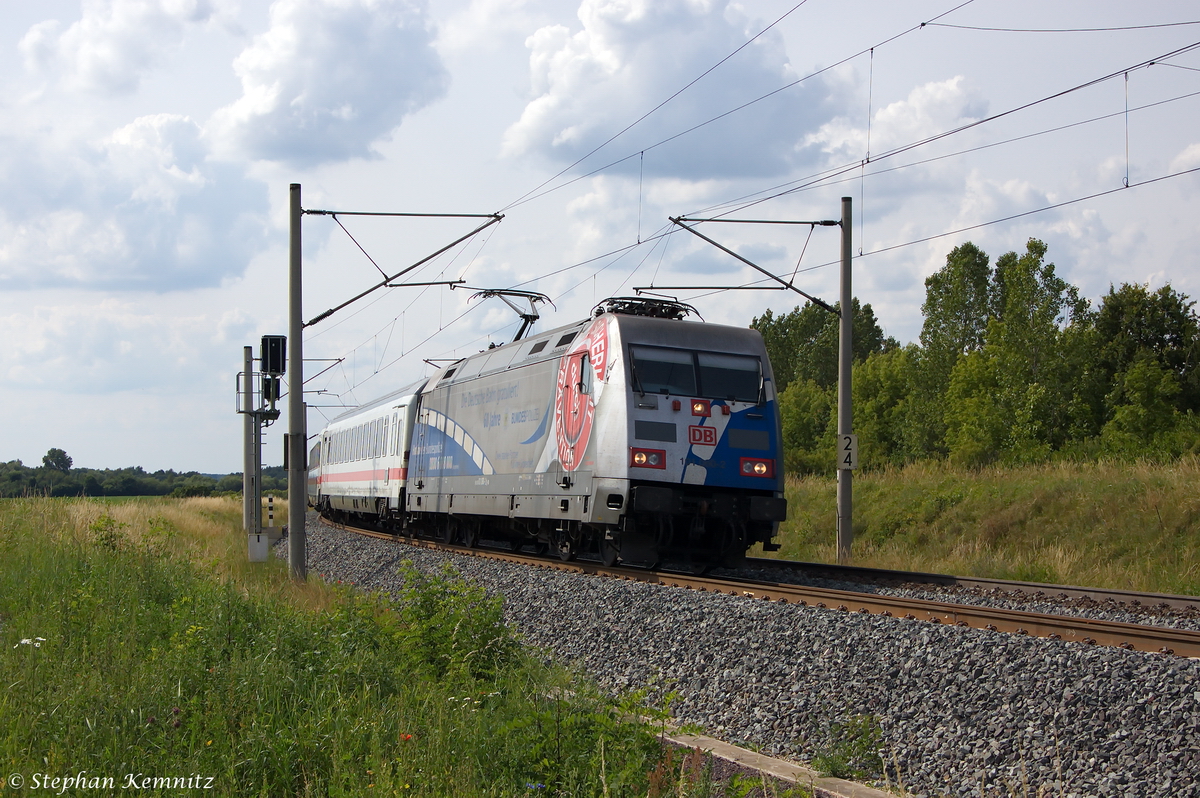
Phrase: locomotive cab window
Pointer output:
(682, 372)
(733, 377)
(662, 370)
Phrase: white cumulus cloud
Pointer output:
(929, 109)
(630, 55)
(113, 44)
(328, 79)
(141, 209)
(1188, 159)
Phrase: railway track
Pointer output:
(1088, 631)
(857, 574)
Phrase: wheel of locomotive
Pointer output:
(449, 531)
(470, 534)
(610, 552)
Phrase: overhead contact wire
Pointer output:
(637, 121)
(537, 193)
(970, 125)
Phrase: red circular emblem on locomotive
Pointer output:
(581, 370)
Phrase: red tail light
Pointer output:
(647, 458)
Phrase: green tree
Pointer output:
(883, 403)
(807, 416)
(1134, 323)
(803, 344)
(230, 482)
(976, 419)
(1017, 396)
(57, 460)
(1146, 408)
(956, 309)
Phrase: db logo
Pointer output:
(702, 436)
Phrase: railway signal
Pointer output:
(258, 411)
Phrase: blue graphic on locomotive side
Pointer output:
(541, 430)
(443, 448)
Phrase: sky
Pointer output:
(147, 146)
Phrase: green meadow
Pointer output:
(137, 642)
(1102, 524)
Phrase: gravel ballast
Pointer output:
(964, 712)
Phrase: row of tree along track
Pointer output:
(1089, 631)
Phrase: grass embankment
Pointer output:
(136, 639)
(1117, 525)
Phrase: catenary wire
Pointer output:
(968, 126)
(1062, 30)
(1001, 220)
(678, 92)
(624, 250)
(532, 196)
(838, 171)
(924, 161)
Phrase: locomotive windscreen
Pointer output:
(682, 372)
(734, 377)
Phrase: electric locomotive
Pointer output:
(634, 435)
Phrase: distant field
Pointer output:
(1116, 525)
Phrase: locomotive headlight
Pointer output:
(697, 407)
(648, 458)
(757, 467)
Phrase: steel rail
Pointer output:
(857, 573)
(1088, 631)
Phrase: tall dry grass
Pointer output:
(1101, 524)
(206, 531)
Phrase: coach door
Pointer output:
(389, 449)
